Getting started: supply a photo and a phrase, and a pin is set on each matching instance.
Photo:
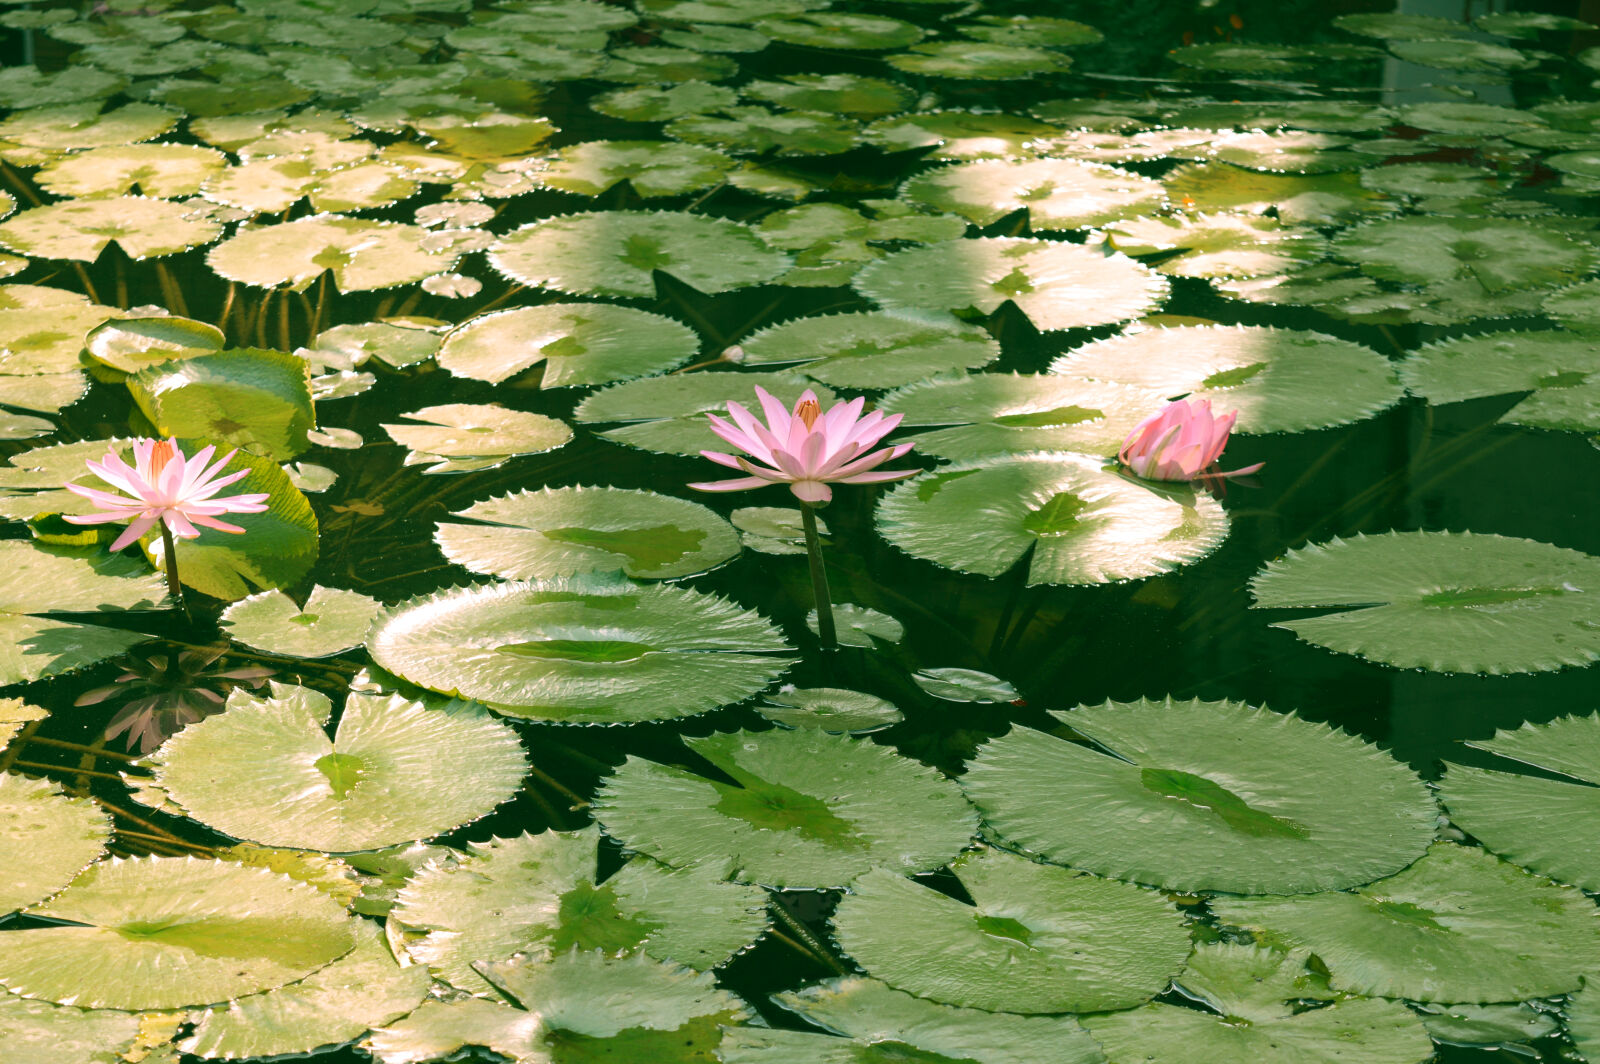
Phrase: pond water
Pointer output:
(490, 738)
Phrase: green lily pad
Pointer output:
(649, 103)
(1446, 180)
(361, 255)
(1277, 380)
(333, 620)
(81, 125)
(81, 229)
(581, 650)
(846, 94)
(710, 37)
(398, 343)
(1284, 151)
(757, 130)
(1479, 56)
(1527, 24)
(1058, 194)
(1298, 199)
(1033, 30)
(958, 134)
(1056, 284)
(61, 836)
(1540, 823)
(164, 171)
(831, 709)
(1402, 27)
(978, 61)
(1459, 925)
(574, 343)
(1217, 245)
(667, 414)
(1583, 1020)
(169, 932)
(1480, 119)
(964, 685)
(465, 437)
(543, 895)
(809, 809)
(1204, 796)
(1084, 524)
(566, 531)
(253, 399)
(1254, 993)
(1495, 1026)
(38, 1032)
(15, 714)
(1498, 254)
(363, 989)
(378, 782)
(842, 31)
(1238, 57)
(870, 349)
(1443, 601)
(1561, 370)
(1037, 938)
(130, 344)
(649, 166)
(773, 529)
(859, 626)
(614, 253)
(658, 64)
(27, 86)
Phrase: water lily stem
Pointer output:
(813, 944)
(169, 554)
(819, 579)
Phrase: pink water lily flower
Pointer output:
(1180, 442)
(805, 448)
(163, 485)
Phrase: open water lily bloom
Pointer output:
(163, 485)
(1182, 441)
(805, 448)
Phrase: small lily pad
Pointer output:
(743, 130)
(846, 94)
(964, 685)
(959, 134)
(333, 620)
(870, 349)
(858, 626)
(978, 60)
(773, 529)
(831, 709)
(1058, 194)
(839, 30)
(463, 437)
(650, 167)
(1494, 1026)
(361, 255)
(649, 103)
(575, 343)
(61, 836)
(668, 414)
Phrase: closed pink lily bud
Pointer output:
(1182, 441)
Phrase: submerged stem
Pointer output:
(169, 554)
(819, 579)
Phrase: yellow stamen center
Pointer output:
(808, 411)
(162, 453)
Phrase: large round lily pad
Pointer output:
(1217, 245)
(1057, 193)
(360, 253)
(651, 167)
(81, 228)
(1445, 601)
(668, 414)
(1205, 796)
(1498, 254)
(807, 809)
(581, 650)
(1083, 523)
(50, 837)
(1561, 370)
(575, 343)
(1037, 938)
(40, 1032)
(870, 349)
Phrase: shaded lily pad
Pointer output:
(1204, 796)
(964, 685)
(1444, 601)
(839, 30)
(648, 103)
(773, 529)
(81, 228)
(1277, 380)
(978, 60)
(1057, 193)
(581, 650)
(1083, 524)
(1495, 1026)
(60, 836)
(755, 130)
(1057, 285)
(1480, 119)
(832, 709)
(859, 626)
(650, 167)
(958, 134)
(464, 437)
(810, 809)
(1561, 370)
(870, 349)
(379, 781)
(167, 932)
(361, 255)
(667, 414)
(833, 93)
(565, 531)
(1459, 925)
(1445, 180)
(1284, 151)
(1298, 199)
(543, 895)
(332, 620)
(1217, 245)
(1480, 56)
(1032, 30)
(1037, 938)
(1498, 254)
(575, 343)
(614, 253)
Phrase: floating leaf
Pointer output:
(1034, 30)
(832, 709)
(649, 103)
(1057, 285)
(958, 134)
(1204, 796)
(130, 344)
(650, 167)
(1478, 119)
(838, 30)
(332, 620)
(1057, 193)
(1459, 925)
(1562, 371)
(668, 414)
(654, 65)
(463, 437)
(810, 809)
(395, 771)
(566, 531)
(42, 329)
(81, 228)
(15, 714)
(78, 126)
(254, 399)
(1277, 380)
(964, 685)
(870, 349)
(1395, 26)
(38, 1032)
(394, 343)
(168, 932)
(575, 343)
(614, 253)
(581, 650)
(978, 61)
(1445, 180)
(50, 837)
(1084, 524)
(1287, 151)
(1217, 245)
(164, 171)
(755, 129)
(1036, 938)
(832, 93)
(1498, 254)
(1445, 601)
(362, 255)
(858, 626)
(1496, 1026)
(1480, 56)
(542, 895)
(772, 529)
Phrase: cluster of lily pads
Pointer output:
(246, 225)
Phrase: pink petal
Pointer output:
(879, 476)
(742, 484)
(212, 522)
(777, 414)
(813, 492)
(132, 533)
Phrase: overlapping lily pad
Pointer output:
(978, 60)
(1561, 370)
(1057, 193)
(581, 650)
(255, 399)
(668, 414)
(464, 437)
(332, 620)
(164, 171)
(1082, 523)
(870, 349)
(60, 836)
(809, 809)
(38, 1032)
(831, 709)
(1444, 601)
(575, 343)
(360, 254)
(650, 167)
(1204, 796)
(81, 228)
(1497, 254)
(1217, 245)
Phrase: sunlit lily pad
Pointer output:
(464, 437)
(543, 895)
(1217, 245)
(1083, 524)
(1459, 925)
(574, 343)
(1561, 370)
(1498, 254)
(260, 185)
(1284, 151)
(1057, 193)
(832, 709)
(755, 129)
(614, 253)
(1297, 199)
(1056, 284)
(870, 349)
(810, 809)
(39, 1032)
(1258, 998)
(834, 93)
(581, 650)
(331, 621)
(398, 343)
(255, 399)
(361, 254)
(651, 167)
(164, 171)
(564, 531)
(167, 932)
(130, 344)
(978, 60)
(1204, 796)
(81, 228)
(958, 134)
(48, 836)
(1037, 939)
(649, 103)
(381, 780)
(1543, 824)
(668, 414)
(363, 989)
(15, 714)
(78, 126)
(1278, 380)
(1444, 601)
(964, 685)
(839, 30)
(1033, 30)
